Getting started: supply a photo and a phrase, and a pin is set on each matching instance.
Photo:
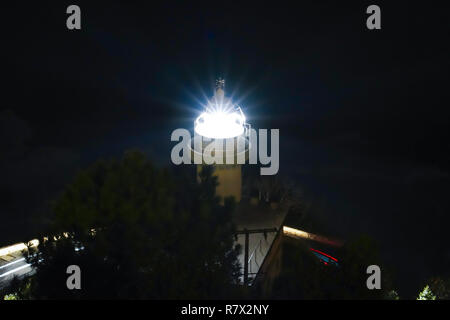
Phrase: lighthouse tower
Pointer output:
(223, 126)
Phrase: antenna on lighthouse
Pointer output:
(220, 83)
(220, 88)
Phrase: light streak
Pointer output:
(18, 247)
(11, 263)
(296, 233)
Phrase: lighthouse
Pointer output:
(223, 129)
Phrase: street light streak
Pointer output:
(295, 233)
(323, 253)
(11, 263)
(15, 270)
(18, 247)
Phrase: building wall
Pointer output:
(230, 181)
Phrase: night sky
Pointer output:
(363, 115)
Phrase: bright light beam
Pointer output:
(15, 270)
(18, 247)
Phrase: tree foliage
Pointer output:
(138, 232)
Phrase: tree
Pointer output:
(302, 276)
(272, 189)
(138, 232)
(426, 294)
